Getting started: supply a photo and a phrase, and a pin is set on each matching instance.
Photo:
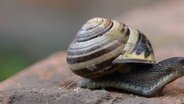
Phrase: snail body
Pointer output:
(144, 80)
(109, 54)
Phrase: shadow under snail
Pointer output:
(108, 54)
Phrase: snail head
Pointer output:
(175, 64)
(179, 65)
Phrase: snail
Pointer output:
(108, 54)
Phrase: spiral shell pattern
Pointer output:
(101, 44)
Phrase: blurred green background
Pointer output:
(31, 30)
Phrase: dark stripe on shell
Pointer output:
(89, 48)
(92, 47)
(143, 45)
(149, 49)
(100, 68)
(91, 25)
(93, 55)
(96, 54)
(139, 48)
(85, 35)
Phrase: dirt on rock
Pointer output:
(55, 96)
(81, 96)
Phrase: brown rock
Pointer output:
(46, 81)
(52, 72)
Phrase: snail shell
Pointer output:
(101, 44)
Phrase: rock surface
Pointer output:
(49, 81)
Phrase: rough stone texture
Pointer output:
(49, 81)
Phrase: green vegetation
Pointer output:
(11, 64)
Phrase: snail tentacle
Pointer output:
(142, 80)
